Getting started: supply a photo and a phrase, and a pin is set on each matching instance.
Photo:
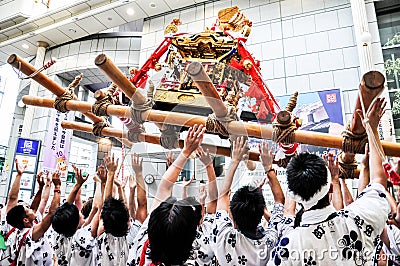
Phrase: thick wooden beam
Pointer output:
(235, 127)
(26, 68)
(116, 76)
(149, 138)
(207, 89)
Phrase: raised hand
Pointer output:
(20, 167)
(110, 163)
(202, 193)
(266, 155)
(170, 158)
(137, 163)
(55, 178)
(193, 139)
(40, 179)
(240, 149)
(375, 115)
(188, 182)
(132, 182)
(48, 179)
(204, 156)
(118, 182)
(333, 166)
(365, 158)
(79, 177)
(101, 174)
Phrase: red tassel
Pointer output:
(391, 174)
(262, 111)
(289, 149)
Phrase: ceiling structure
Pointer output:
(20, 32)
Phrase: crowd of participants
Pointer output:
(316, 223)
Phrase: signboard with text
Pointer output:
(26, 153)
(27, 147)
(57, 143)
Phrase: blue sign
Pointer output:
(28, 146)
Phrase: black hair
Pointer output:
(115, 216)
(65, 220)
(306, 174)
(15, 216)
(87, 208)
(172, 230)
(247, 208)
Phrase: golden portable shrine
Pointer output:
(207, 78)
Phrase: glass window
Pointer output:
(389, 31)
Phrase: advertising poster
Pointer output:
(30, 161)
(57, 144)
(320, 111)
(27, 180)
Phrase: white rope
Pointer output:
(44, 67)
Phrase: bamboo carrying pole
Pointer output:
(207, 89)
(43, 80)
(26, 68)
(116, 76)
(235, 127)
(149, 138)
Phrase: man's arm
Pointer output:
(239, 152)
(185, 186)
(100, 179)
(96, 209)
(38, 196)
(121, 189)
(337, 197)
(371, 124)
(132, 201)
(202, 196)
(267, 159)
(192, 141)
(45, 194)
(170, 158)
(78, 199)
(111, 166)
(41, 228)
(13, 194)
(363, 179)
(206, 159)
(137, 165)
(80, 180)
(347, 197)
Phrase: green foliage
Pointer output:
(395, 40)
(396, 104)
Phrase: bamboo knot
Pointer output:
(99, 108)
(347, 170)
(169, 138)
(60, 103)
(353, 143)
(99, 126)
(285, 124)
(134, 132)
(219, 124)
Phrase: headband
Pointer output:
(308, 204)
